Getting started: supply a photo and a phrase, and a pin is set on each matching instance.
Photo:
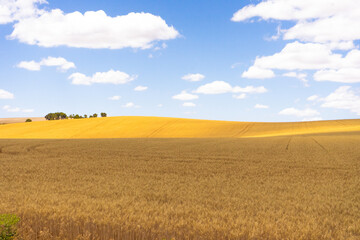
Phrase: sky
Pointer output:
(265, 61)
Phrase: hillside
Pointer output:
(160, 127)
(20, 120)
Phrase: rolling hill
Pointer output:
(162, 127)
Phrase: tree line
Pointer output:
(61, 116)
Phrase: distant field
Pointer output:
(289, 187)
(157, 127)
(20, 120)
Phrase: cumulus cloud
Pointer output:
(301, 76)
(93, 30)
(61, 63)
(313, 98)
(313, 56)
(308, 112)
(312, 119)
(189, 104)
(15, 10)
(343, 98)
(29, 65)
(344, 75)
(322, 21)
(216, 87)
(110, 77)
(114, 98)
(261, 106)
(193, 77)
(5, 94)
(240, 96)
(298, 56)
(185, 96)
(258, 73)
(8, 108)
(320, 27)
(220, 87)
(130, 105)
(140, 88)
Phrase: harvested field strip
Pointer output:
(156, 127)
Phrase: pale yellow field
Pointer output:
(159, 127)
(20, 120)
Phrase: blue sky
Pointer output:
(224, 60)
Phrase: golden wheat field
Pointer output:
(298, 186)
(162, 127)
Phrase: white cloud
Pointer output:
(216, 87)
(343, 98)
(193, 77)
(308, 112)
(10, 109)
(61, 63)
(5, 94)
(249, 89)
(322, 21)
(140, 88)
(261, 106)
(258, 73)
(93, 30)
(114, 98)
(189, 104)
(160, 105)
(220, 87)
(185, 96)
(313, 56)
(297, 56)
(163, 46)
(321, 27)
(344, 75)
(14, 10)
(130, 105)
(301, 76)
(313, 98)
(240, 96)
(312, 119)
(111, 77)
(29, 65)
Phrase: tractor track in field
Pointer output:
(161, 128)
(288, 144)
(320, 145)
(244, 130)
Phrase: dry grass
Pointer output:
(20, 120)
(156, 127)
(296, 187)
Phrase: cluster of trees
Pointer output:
(56, 116)
(61, 115)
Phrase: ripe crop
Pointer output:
(287, 187)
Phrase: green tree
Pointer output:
(28, 120)
(56, 116)
(85, 116)
(8, 226)
(95, 115)
(103, 114)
